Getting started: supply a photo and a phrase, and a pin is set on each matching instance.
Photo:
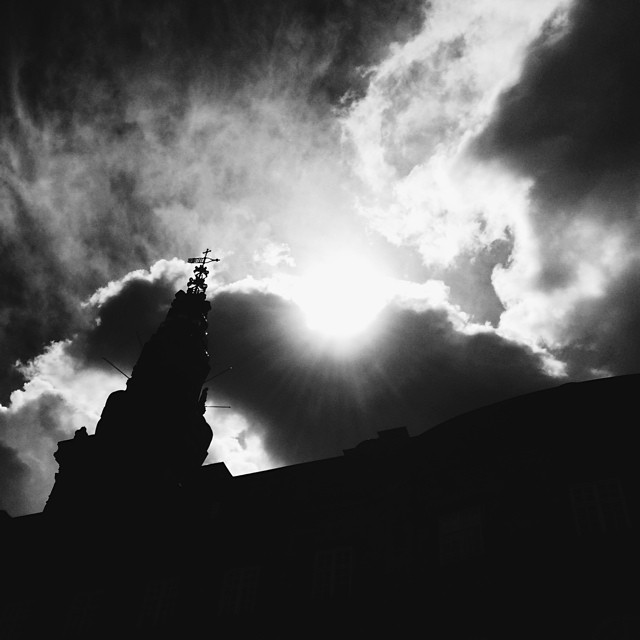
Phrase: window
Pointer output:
(239, 591)
(83, 611)
(158, 602)
(618, 628)
(14, 619)
(460, 535)
(332, 575)
(599, 506)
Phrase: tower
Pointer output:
(152, 435)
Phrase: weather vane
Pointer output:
(197, 283)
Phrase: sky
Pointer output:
(420, 208)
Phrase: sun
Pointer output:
(342, 297)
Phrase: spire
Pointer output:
(197, 283)
(175, 362)
(153, 434)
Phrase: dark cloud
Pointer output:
(34, 313)
(313, 398)
(604, 331)
(28, 438)
(46, 271)
(469, 280)
(123, 323)
(13, 475)
(73, 54)
(570, 122)
(314, 402)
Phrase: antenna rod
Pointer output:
(116, 368)
(218, 374)
(218, 406)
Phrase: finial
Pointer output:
(197, 283)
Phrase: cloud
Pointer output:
(423, 185)
(68, 383)
(294, 395)
(601, 333)
(486, 149)
(417, 367)
(237, 443)
(13, 473)
(423, 104)
(30, 428)
(568, 121)
(504, 135)
(130, 133)
(70, 222)
(141, 299)
(60, 395)
(568, 128)
(82, 51)
(125, 313)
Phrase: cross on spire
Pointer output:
(200, 272)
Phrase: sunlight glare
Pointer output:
(343, 297)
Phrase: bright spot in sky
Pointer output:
(342, 297)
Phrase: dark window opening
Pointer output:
(333, 574)
(599, 506)
(460, 535)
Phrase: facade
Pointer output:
(518, 520)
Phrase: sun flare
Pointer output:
(343, 297)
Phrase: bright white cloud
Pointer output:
(424, 104)
(411, 135)
(174, 271)
(597, 255)
(58, 398)
(256, 176)
(237, 442)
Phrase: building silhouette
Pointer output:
(518, 520)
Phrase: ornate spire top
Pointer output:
(197, 283)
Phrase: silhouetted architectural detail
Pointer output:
(153, 434)
(518, 520)
(197, 284)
